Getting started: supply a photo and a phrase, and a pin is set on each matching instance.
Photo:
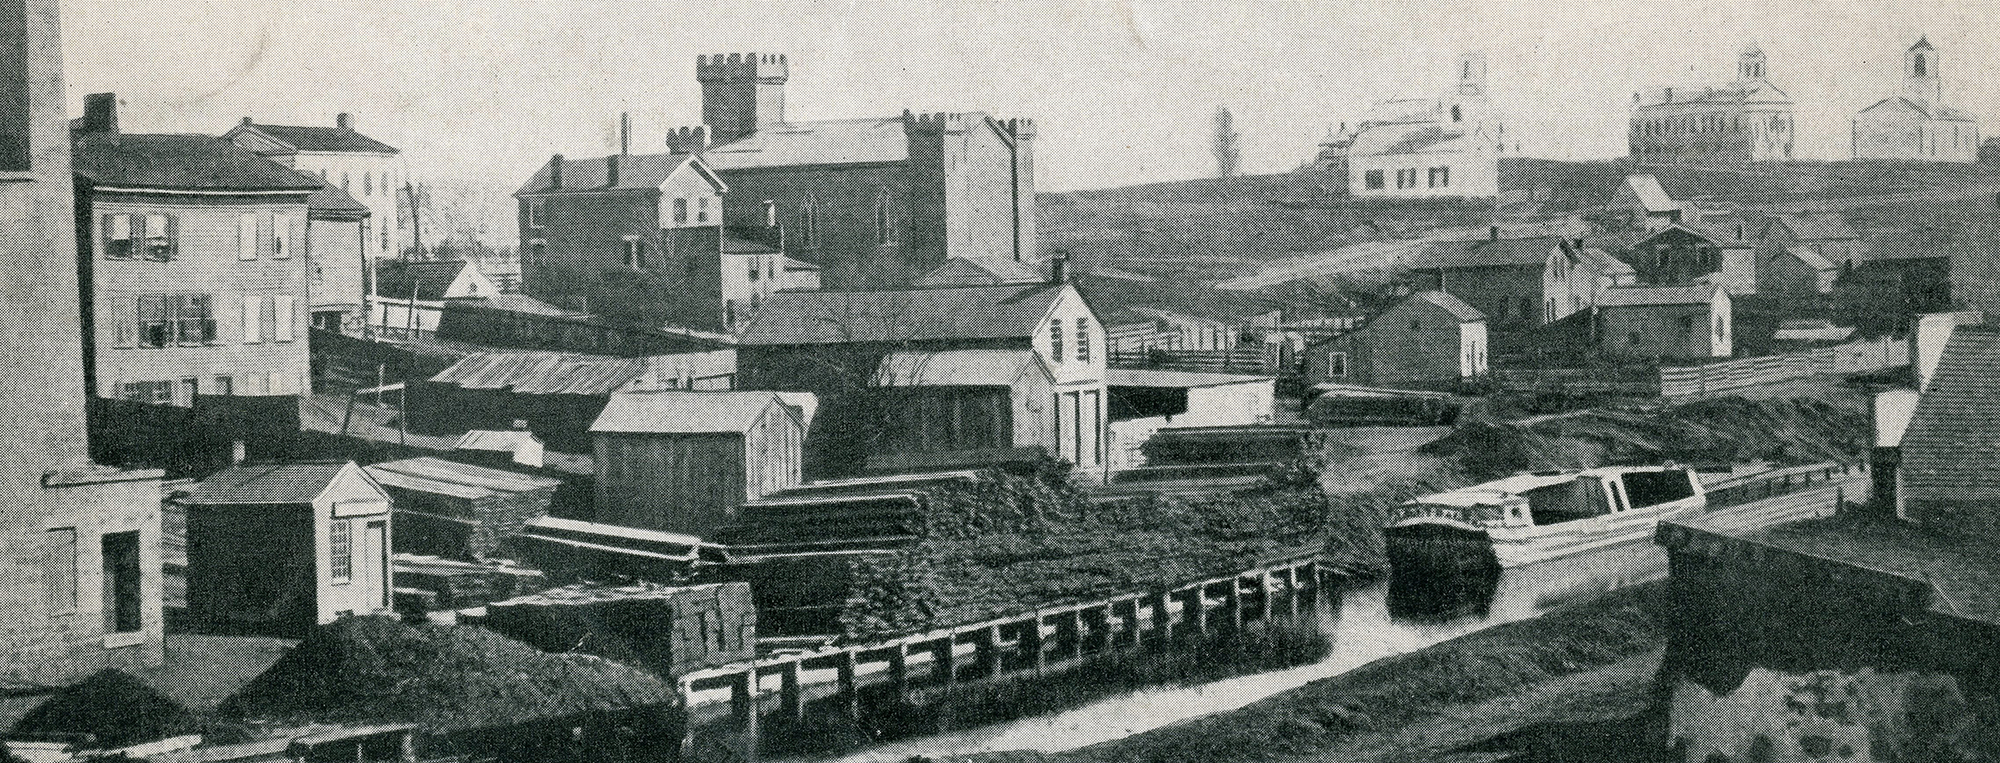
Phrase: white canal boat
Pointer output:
(1528, 518)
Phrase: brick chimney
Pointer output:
(1493, 233)
(555, 171)
(344, 121)
(100, 113)
(1059, 268)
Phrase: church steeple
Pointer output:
(1920, 72)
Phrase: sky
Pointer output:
(481, 92)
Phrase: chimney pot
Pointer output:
(1059, 268)
(344, 121)
(100, 113)
(555, 171)
(1493, 233)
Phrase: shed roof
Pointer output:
(301, 482)
(181, 162)
(1146, 377)
(1485, 252)
(967, 368)
(332, 139)
(429, 279)
(1650, 194)
(429, 474)
(1949, 448)
(682, 412)
(1644, 296)
(835, 317)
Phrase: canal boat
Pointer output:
(1533, 517)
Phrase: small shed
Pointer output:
(1796, 270)
(672, 630)
(1665, 322)
(279, 548)
(1429, 340)
(460, 511)
(683, 461)
(960, 400)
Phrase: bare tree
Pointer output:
(1228, 156)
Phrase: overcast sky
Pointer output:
(486, 90)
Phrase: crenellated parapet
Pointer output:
(742, 67)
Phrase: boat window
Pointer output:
(1565, 501)
(1654, 488)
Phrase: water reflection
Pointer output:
(1412, 610)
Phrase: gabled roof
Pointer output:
(1811, 258)
(1650, 194)
(1601, 261)
(331, 139)
(635, 172)
(1457, 307)
(954, 368)
(1393, 139)
(1485, 252)
(833, 141)
(1818, 227)
(1758, 91)
(680, 412)
(1648, 296)
(1711, 236)
(429, 278)
(180, 162)
(836, 317)
(1926, 109)
(330, 200)
(268, 483)
(1949, 448)
(504, 441)
(984, 271)
(522, 303)
(1923, 43)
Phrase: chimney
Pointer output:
(344, 121)
(520, 425)
(611, 170)
(1493, 233)
(246, 121)
(100, 113)
(625, 134)
(555, 171)
(1059, 268)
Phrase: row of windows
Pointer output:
(119, 552)
(369, 182)
(1435, 177)
(1704, 123)
(1056, 330)
(182, 392)
(805, 233)
(188, 320)
(156, 236)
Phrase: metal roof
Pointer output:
(683, 412)
(436, 475)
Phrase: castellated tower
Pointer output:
(1920, 73)
(741, 93)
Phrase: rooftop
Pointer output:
(834, 317)
(832, 141)
(180, 162)
(428, 279)
(541, 372)
(436, 475)
(1485, 252)
(1145, 377)
(1927, 109)
(1457, 307)
(1953, 440)
(268, 483)
(681, 412)
(1962, 573)
(635, 171)
(330, 139)
(960, 271)
(1646, 296)
(1650, 194)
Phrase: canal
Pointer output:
(1363, 622)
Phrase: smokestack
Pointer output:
(1493, 233)
(625, 134)
(1059, 268)
(100, 113)
(555, 171)
(344, 121)
(611, 170)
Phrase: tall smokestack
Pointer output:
(625, 134)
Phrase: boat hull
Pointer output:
(1442, 545)
(1440, 548)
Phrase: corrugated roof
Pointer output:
(1650, 194)
(1485, 252)
(1146, 377)
(1953, 441)
(181, 162)
(970, 368)
(833, 141)
(268, 483)
(338, 139)
(1641, 296)
(1819, 227)
(430, 279)
(834, 317)
(635, 171)
(436, 475)
(681, 412)
(962, 271)
(1451, 304)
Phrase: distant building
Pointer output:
(832, 343)
(410, 296)
(1795, 271)
(193, 255)
(1683, 254)
(1672, 322)
(1826, 234)
(362, 167)
(1427, 147)
(337, 264)
(1748, 120)
(1430, 340)
(1647, 201)
(684, 461)
(1500, 277)
(279, 548)
(80, 566)
(459, 511)
(1575, 275)
(1916, 124)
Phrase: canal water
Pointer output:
(1364, 623)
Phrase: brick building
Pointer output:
(362, 167)
(1748, 120)
(80, 569)
(1916, 124)
(192, 255)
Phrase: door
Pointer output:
(375, 571)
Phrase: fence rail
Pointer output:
(1859, 355)
(1239, 360)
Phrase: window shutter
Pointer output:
(246, 236)
(253, 319)
(281, 236)
(281, 317)
(104, 235)
(173, 237)
(124, 322)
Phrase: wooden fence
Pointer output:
(1855, 356)
(1242, 360)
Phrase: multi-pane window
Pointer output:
(341, 539)
(1083, 340)
(635, 253)
(882, 218)
(159, 242)
(127, 236)
(123, 612)
(808, 221)
(166, 320)
(160, 392)
(1336, 364)
(119, 242)
(680, 211)
(1056, 340)
(535, 213)
(1372, 179)
(755, 270)
(701, 209)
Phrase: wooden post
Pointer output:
(1036, 647)
(1163, 618)
(1233, 601)
(1270, 606)
(743, 709)
(990, 661)
(1198, 612)
(848, 689)
(684, 747)
(947, 660)
(1073, 644)
(899, 670)
(1294, 589)
(791, 699)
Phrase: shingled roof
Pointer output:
(1485, 252)
(268, 483)
(1952, 445)
(835, 317)
(329, 139)
(180, 162)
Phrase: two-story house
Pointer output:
(191, 253)
(362, 167)
(935, 356)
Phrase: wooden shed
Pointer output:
(684, 461)
(460, 511)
